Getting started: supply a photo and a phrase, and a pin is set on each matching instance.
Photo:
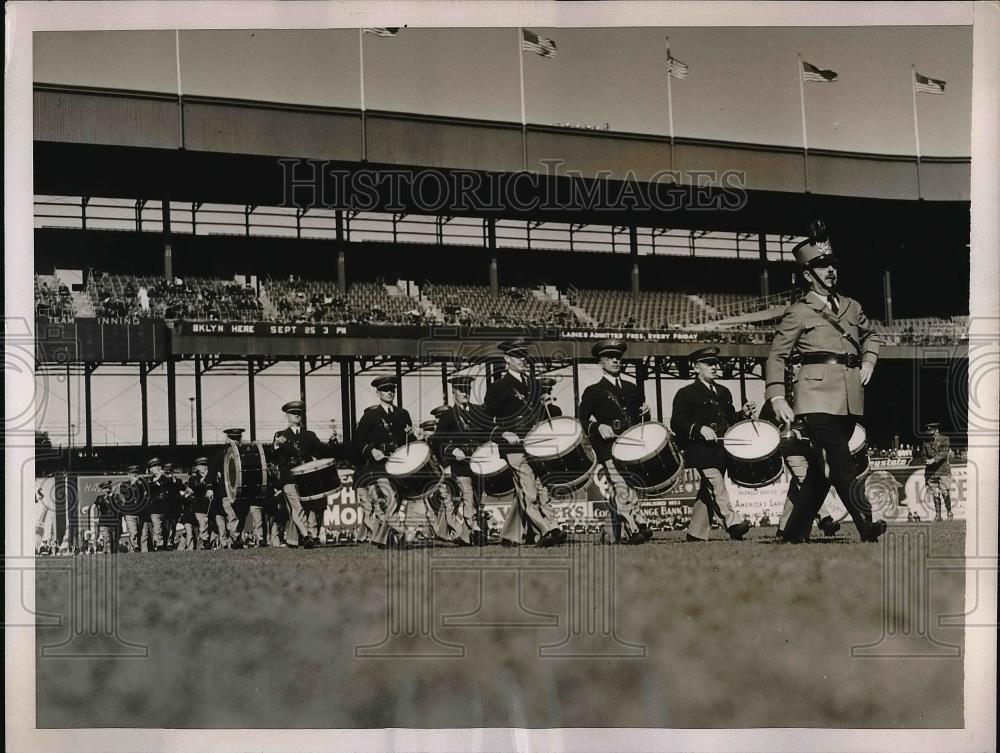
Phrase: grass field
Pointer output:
(752, 634)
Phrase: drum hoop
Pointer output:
(232, 489)
(321, 463)
(651, 454)
(263, 465)
(756, 458)
(566, 419)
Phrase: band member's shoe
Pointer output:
(237, 543)
(638, 538)
(508, 543)
(646, 531)
(951, 515)
(563, 536)
(937, 517)
(779, 534)
(308, 543)
(874, 530)
(829, 526)
(553, 537)
(738, 531)
(689, 537)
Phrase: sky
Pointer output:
(743, 83)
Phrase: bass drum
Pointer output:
(858, 445)
(559, 455)
(647, 458)
(414, 469)
(495, 477)
(244, 469)
(753, 456)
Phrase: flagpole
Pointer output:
(361, 57)
(180, 92)
(670, 106)
(524, 119)
(916, 125)
(805, 139)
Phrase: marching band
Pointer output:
(519, 444)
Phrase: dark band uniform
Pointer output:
(106, 510)
(617, 403)
(294, 446)
(160, 501)
(514, 405)
(833, 337)
(383, 428)
(695, 406)
(200, 502)
(460, 428)
(937, 470)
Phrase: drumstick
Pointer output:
(753, 423)
(548, 413)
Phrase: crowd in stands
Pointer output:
(179, 298)
(296, 300)
(299, 301)
(53, 301)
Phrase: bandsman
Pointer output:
(702, 413)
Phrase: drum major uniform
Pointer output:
(838, 349)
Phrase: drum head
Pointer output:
(312, 465)
(407, 459)
(640, 442)
(751, 440)
(859, 438)
(232, 471)
(553, 438)
(486, 460)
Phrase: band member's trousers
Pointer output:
(712, 499)
(256, 516)
(939, 487)
(222, 531)
(201, 519)
(374, 497)
(109, 533)
(623, 505)
(295, 513)
(798, 467)
(469, 502)
(160, 521)
(139, 528)
(525, 513)
(831, 434)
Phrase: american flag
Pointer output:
(928, 85)
(531, 42)
(390, 31)
(811, 72)
(675, 67)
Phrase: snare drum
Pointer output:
(414, 469)
(752, 453)
(245, 472)
(559, 456)
(647, 458)
(495, 476)
(858, 445)
(316, 479)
